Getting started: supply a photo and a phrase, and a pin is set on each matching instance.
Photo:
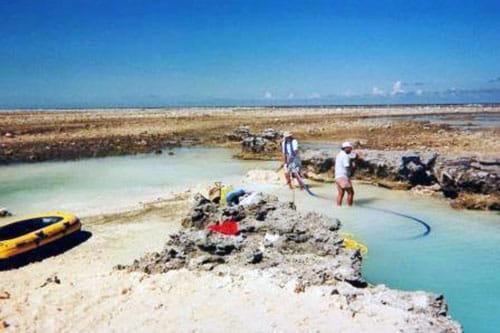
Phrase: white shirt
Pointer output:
(343, 164)
(289, 147)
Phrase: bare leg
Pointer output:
(340, 195)
(298, 181)
(288, 180)
(350, 196)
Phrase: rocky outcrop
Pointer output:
(456, 177)
(291, 239)
(89, 147)
(407, 166)
(288, 245)
(256, 146)
(239, 134)
(317, 161)
(467, 174)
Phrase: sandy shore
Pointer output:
(78, 290)
(64, 134)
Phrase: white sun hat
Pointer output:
(346, 144)
(287, 134)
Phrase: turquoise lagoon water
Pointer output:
(468, 121)
(101, 185)
(459, 258)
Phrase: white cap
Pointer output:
(287, 134)
(346, 144)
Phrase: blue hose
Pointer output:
(422, 222)
(304, 185)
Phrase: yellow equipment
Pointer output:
(218, 193)
(223, 192)
(23, 234)
(350, 243)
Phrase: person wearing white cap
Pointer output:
(343, 170)
(290, 157)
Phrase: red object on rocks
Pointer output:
(229, 227)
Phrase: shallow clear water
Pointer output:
(101, 185)
(464, 121)
(460, 257)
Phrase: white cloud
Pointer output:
(268, 95)
(377, 92)
(314, 95)
(397, 88)
(419, 92)
(291, 96)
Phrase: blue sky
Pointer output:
(161, 53)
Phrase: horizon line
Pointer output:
(347, 105)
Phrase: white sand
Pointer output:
(92, 296)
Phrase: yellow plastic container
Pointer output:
(30, 232)
(225, 190)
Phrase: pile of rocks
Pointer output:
(256, 146)
(271, 234)
(289, 246)
(239, 134)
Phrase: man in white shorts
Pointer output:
(343, 170)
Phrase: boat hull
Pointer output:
(48, 228)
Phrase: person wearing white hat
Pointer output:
(290, 157)
(343, 171)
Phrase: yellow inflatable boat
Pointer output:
(21, 235)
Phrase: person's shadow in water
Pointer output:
(364, 201)
(49, 250)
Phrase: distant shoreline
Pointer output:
(243, 106)
(60, 134)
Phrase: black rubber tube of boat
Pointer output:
(416, 219)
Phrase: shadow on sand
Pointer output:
(53, 249)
